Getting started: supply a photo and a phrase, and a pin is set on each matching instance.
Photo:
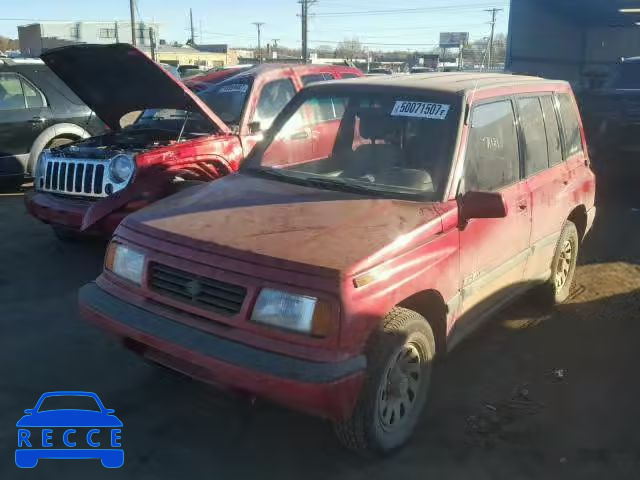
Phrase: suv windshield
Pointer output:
(379, 143)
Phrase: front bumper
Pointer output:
(69, 213)
(325, 389)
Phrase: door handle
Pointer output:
(38, 120)
(522, 207)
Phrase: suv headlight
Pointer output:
(125, 262)
(121, 168)
(288, 311)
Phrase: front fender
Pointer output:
(58, 130)
(154, 183)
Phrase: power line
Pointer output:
(404, 10)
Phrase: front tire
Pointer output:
(400, 358)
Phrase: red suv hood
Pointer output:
(336, 231)
(116, 79)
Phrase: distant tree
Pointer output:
(325, 51)
(8, 44)
(349, 49)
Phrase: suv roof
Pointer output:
(454, 82)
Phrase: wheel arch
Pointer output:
(60, 130)
(431, 305)
(578, 217)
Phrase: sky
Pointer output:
(378, 24)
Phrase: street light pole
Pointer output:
(259, 26)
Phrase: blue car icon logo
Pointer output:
(71, 425)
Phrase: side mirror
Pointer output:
(29, 411)
(254, 127)
(481, 205)
(109, 411)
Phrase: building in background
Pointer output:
(39, 37)
(187, 55)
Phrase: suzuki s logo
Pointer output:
(72, 425)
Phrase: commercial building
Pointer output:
(39, 37)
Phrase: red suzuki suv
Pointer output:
(90, 185)
(327, 276)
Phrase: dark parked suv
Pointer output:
(37, 111)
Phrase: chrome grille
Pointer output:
(206, 293)
(73, 177)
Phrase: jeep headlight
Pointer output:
(288, 311)
(41, 165)
(125, 262)
(121, 168)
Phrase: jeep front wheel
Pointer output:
(400, 358)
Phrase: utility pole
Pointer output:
(259, 26)
(493, 12)
(152, 43)
(117, 36)
(304, 17)
(275, 46)
(193, 39)
(132, 7)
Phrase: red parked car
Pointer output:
(328, 278)
(197, 131)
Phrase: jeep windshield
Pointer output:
(226, 99)
(379, 143)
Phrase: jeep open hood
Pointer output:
(116, 79)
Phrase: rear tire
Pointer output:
(563, 266)
(400, 357)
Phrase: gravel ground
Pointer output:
(534, 394)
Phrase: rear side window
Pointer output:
(492, 160)
(534, 135)
(273, 98)
(570, 125)
(11, 95)
(554, 141)
(316, 77)
(33, 96)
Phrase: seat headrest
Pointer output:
(375, 125)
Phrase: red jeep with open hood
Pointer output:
(198, 131)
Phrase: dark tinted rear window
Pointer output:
(554, 141)
(570, 125)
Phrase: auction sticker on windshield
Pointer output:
(407, 108)
(235, 87)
